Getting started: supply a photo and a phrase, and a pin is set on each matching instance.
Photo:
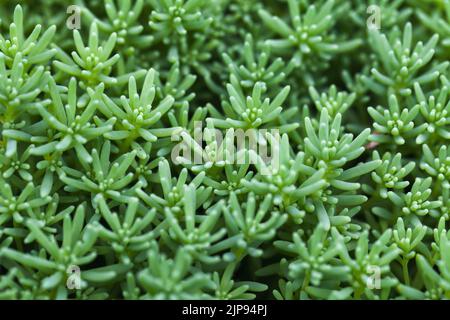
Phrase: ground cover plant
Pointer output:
(97, 96)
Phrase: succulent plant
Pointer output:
(119, 175)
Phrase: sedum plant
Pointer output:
(403, 63)
(117, 180)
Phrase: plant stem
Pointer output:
(405, 271)
(306, 281)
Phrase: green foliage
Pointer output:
(402, 63)
(395, 124)
(252, 111)
(353, 202)
(309, 32)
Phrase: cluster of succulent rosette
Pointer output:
(92, 205)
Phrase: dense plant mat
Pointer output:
(95, 97)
